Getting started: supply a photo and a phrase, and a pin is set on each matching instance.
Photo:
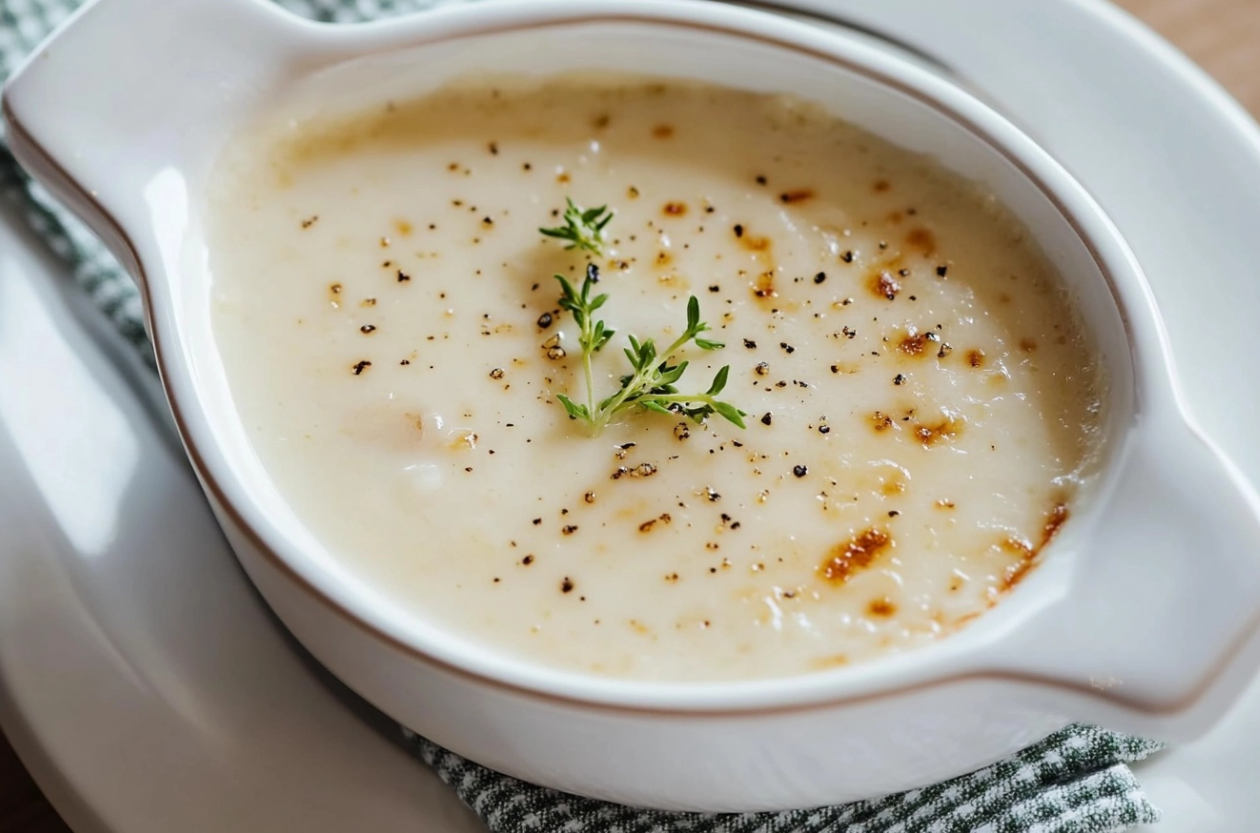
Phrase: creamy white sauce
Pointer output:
(921, 399)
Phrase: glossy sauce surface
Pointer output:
(921, 401)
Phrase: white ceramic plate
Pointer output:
(148, 689)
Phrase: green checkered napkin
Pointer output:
(1075, 781)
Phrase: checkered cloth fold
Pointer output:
(1075, 781)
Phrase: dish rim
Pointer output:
(753, 696)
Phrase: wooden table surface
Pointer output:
(1222, 35)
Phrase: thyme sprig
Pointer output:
(653, 383)
(583, 228)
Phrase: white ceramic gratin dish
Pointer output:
(1142, 615)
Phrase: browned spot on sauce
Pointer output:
(831, 662)
(922, 241)
(1015, 574)
(664, 258)
(1027, 345)
(763, 286)
(601, 121)
(1018, 546)
(884, 285)
(964, 620)
(799, 195)
(648, 526)
(881, 185)
(632, 192)
(563, 178)
(881, 421)
(334, 295)
(674, 209)
(754, 244)
(403, 227)
(663, 131)
(1054, 522)
(855, 554)
(310, 221)
(946, 428)
(464, 440)
(882, 607)
(975, 357)
(913, 343)
(895, 217)
(1027, 551)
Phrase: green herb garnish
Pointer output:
(584, 229)
(652, 384)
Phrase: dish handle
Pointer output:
(1155, 609)
(91, 119)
